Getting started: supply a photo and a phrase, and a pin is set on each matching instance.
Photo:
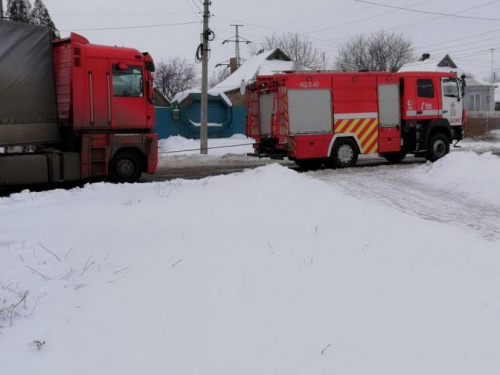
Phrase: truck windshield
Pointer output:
(127, 82)
(450, 88)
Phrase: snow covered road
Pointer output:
(398, 187)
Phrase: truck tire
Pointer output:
(125, 167)
(309, 164)
(344, 153)
(437, 147)
(395, 157)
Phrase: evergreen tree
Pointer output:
(40, 16)
(18, 10)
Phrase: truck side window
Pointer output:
(425, 88)
(127, 83)
(450, 88)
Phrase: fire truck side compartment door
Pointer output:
(266, 112)
(389, 118)
(310, 111)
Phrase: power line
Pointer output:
(426, 12)
(460, 39)
(135, 27)
(361, 20)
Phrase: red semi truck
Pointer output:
(71, 110)
(329, 118)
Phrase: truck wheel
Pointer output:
(126, 166)
(309, 164)
(395, 157)
(437, 147)
(344, 153)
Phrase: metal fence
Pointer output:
(480, 123)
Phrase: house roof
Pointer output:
(446, 64)
(269, 62)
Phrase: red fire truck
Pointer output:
(71, 110)
(329, 118)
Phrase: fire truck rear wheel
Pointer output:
(437, 147)
(344, 153)
(125, 167)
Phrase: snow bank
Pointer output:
(264, 272)
(478, 175)
(490, 142)
(177, 145)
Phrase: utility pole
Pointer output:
(204, 79)
(1, 9)
(237, 41)
(492, 69)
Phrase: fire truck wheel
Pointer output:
(126, 166)
(438, 147)
(309, 164)
(344, 153)
(395, 157)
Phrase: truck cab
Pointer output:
(73, 110)
(431, 103)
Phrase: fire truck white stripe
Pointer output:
(350, 116)
(434, 112)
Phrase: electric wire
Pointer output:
(427, 12)
(134, 27)
(198, 149)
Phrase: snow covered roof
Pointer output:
(180, 96)
(445, 64)
(269, 62)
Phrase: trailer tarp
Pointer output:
(28, 108)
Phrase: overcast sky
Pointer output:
(468, 36)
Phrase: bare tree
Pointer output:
(381, 51)
(298, 48)
(218, 75)
(175, 75)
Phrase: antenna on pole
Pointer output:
(237, 40)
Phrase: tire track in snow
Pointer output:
(391, 186)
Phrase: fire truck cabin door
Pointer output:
(452, 103)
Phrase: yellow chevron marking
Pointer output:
(370, 142)
(353, 124)
(373, 149)
(340, 128)
(367, 132)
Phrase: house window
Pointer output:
(425, 88)
(475, 102)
